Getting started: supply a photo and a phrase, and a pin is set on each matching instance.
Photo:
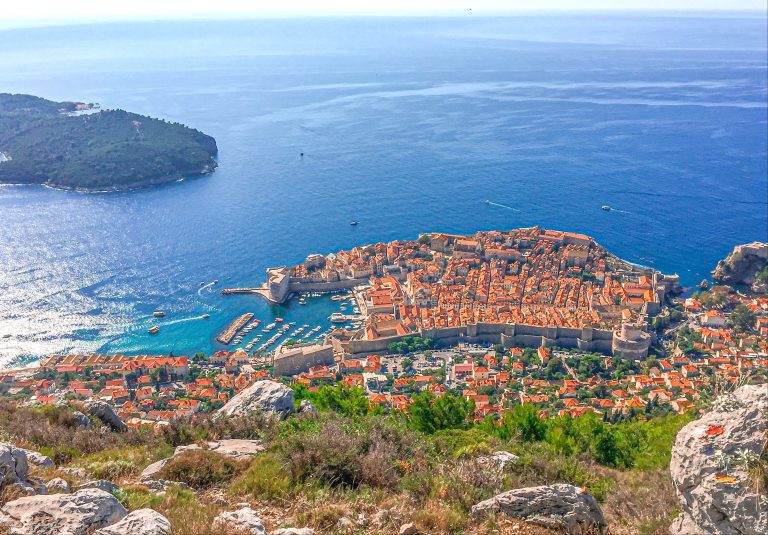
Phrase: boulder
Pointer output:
(13, 464)
(139, 522)
(244, 519)
(101, 484)
(264, 396)
(408, 529)
(306, 408)
(80, 473)
(499, 459)
(560, 507)
(710, 466)
(233, 448)
(104, 412)
(61, 514)
(38, 459)
(81, 419)
(294, 531)
(58, 486)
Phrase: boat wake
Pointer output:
(205, 287)
(183, 320)
(501, 205)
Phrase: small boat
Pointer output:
(154, 329)
(606, 208)
(278, 320)
(205, 316)
(302, 301)
(216, 281)
(338, 317)
(158, 314)
(354, 223)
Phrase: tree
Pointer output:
(429, 413)
(524, 419)
(743, 318)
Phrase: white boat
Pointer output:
(338, 317)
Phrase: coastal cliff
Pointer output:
(746, 265)
(71, 145)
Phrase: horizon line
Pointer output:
(8, 24)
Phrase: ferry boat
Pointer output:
(158, 314)
(154, 329)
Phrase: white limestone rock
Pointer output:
(153, 469)
(101, 484)
(38, 459)
(243, 519)
(61, 514)
(559, 507)
(265, 396)
(293, 531)
(14, 466)
(710, 467)
(233, 448)
(104, 412)
(306, 408)
(139, 522)
(499, 459)
(58, 486)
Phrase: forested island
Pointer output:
(70, 145)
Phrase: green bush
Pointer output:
(265, 479)
(201, 469)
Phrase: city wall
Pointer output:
(508, 335)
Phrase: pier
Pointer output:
(228, 334)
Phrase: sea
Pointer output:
(406, 125)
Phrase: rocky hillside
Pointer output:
(267, 462)
(747, 265)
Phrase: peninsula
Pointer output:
(74, 145)
(530, 286)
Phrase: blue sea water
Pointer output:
(407, 125)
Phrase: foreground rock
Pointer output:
(38, 459)
(14, 471)
(61, 514)
(105, 413)
(293, 531)
(499, 459)
(710, 467)
(262, 396)
(233, 448)
(139, 522)
(560, 507)
(244, 519)
(14, 466)
(101, 484)
(58, 486)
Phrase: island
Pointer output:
(77, 146)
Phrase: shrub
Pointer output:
(338, 451)
(200, 469)
(265, 479)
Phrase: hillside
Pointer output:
(45, 142)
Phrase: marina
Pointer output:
(228, 334)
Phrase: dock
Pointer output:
(229, 291)
(228, 334)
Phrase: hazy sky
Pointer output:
(65, 10)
